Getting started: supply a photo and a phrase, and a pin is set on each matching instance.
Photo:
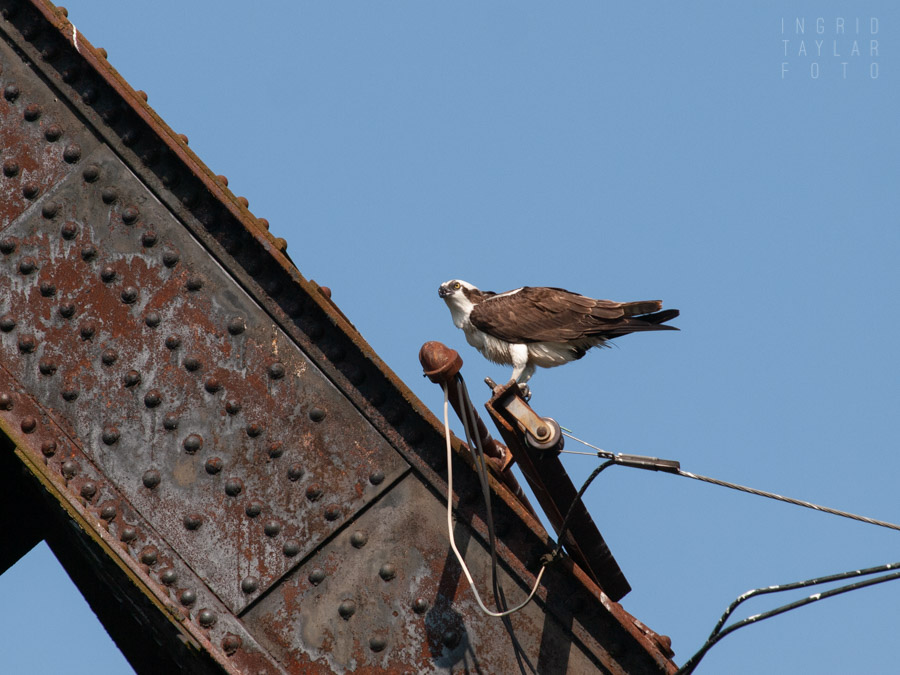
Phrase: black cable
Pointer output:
(565, 524)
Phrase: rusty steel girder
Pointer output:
(226, 463)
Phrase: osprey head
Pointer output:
(448, 289)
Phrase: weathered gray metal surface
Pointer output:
(216, 428)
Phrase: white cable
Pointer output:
(459, 557)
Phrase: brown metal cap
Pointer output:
(440, 363)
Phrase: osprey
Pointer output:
(547, 327)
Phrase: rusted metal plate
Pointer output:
(387, 595)
(221, 432)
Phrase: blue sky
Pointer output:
(622, 150)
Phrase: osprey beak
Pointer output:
(443, 291)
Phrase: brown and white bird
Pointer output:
(546, 327)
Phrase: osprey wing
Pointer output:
(543, 314)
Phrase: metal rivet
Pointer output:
(32, 112)
(151, 479)
(170, 421)
(72, 153)
(148, 238)
(88, 490)
(152, 398)
(206, 618)
(193, 443)
(168, 576)
(91, 173)
(295, 472)
(48, 448)
(130, 215)
(128, 534)
(28, 424)
(152, 319)
(276, 450)
(254, 429)
(376, 477)
(214, 465)
(52, 133)
(132, 378)
(243, 201)
(30, 190)
(193, 521)
(27, 265)
(212, 384)
(377, 644)
(317, 576)
(236, 326)
(195, 283)
(170, 258)
(191, 363)
(451, 638)
(49, 210)
(47, 367)
(249, 585)
(387, 572)
(69, 469)
(233, 487)
(7, 323)
(7, 245)
(88, 252)
(291, 548)
(231, 643)
(108, 512)
(232, 407)
(27, 344)
(11, 92)
(67, 310)
(347, 609)
(149, 555)
(109, 195)
(108, 274)
(333, 512)
(314, 492)
(69, 230)
(10, 168)
(110, 435)
(272, 528)
(316, 414)
(88, 330)
(183, 138)
(6, 402)
(69, 394)
(109, 357)
(420, 605)
(173, 342)
(187, 598)
(129, 295)
(253, 509)
(276, 371)
(359, 539)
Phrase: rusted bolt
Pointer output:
(187, 598)
(249, 585)
(314, 492)
(148, 239)
(254, 429)
(316, 414)
(6, 401)
(69, 469)
(359, 539)
(295, 472)
(90, 173)
(48, 448)
(109, 194)
(152, 319)
(47, 367)
(110, 435)
(149, 555)
(152, 398)
(332, 512)
(451, 638)
(88, 330)
(88, 490)
(192, 443)
(387, 572)
(193, 521)
(132, 378)
(376, 477)
(168, 576)
(52, 133)
(206, 618)
(11, 92)
(253, 509)
(317, 576)
(128, 534)
(30, 190)
(72, 153)
(108, 274)
(347, 609)
(27, 265)
(231, 643)
(232, 406)
(440, 363)
(69, 230)
(276, 371)
(47, 289)
(276, 450)
(173, 342)
(150, 479)
(109, 357)
(28, 424)
(170, 257)
(130, 215)
(108, 512)
(377, 644)
(272, 528)
(10, 168)
(542, 432)
(67, 310)
(170, 422)
(183, 138)
(32, 112)
(129, 295)
(191, 363)
(69, 393)
(7, 245)
(88, 252)
(214, 465)
(212, 384)
(195, 283)
(233, 487)
(420, 605)
(27, 344)
(236, 325)
(291, 548)
(7, 323)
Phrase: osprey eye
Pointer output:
(456, 286)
